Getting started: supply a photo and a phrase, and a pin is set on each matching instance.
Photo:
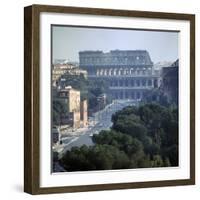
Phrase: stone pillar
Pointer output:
(120, 72)
(111, 72)
(101, 72)
(105, 72)
(114, 71)
(97, 72)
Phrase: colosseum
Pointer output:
(129, 73)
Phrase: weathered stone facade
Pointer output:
(129, 74)
(84, 113)
(169, 84)
(60, 70)
(72, 98)
(77, 109)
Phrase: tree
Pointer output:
(98, 157)
(155, 126)
(119, 140)
(146, 136)
(157, 161)
(171, 153)
(60, 109)
(130, 125)
(166, 162)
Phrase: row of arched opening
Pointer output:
(125, 94)
(133, 83)
(123, 71)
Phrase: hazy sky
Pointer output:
(68, 41)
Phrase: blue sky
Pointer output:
(68, 41)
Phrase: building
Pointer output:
(84, 113)
(169, 85)
(77, 109)
(65, 69)
(129, 74)
(60, 69)
(72, 99)
(101, 101)
(74, 105)
(55, 135)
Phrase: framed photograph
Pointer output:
(109, 99)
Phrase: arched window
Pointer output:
(149, 83)
(131, 71)
(138, 82)
(120, 71)
(121, 83)
(126, 94)
(132, 82)
(111, 72)
(121, 95)
(133, 95)
(126, 83)
(143, 82)
(138, 95)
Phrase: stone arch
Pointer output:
(121, 95)
(111, 72)
(101, 72)
(143, 82)
(138, 82)
(131, 71)
(126, 71)
(112, 83)
(115, 71)
(126, 94)
(149, 82)
(126, 82)
(133, 95)
(138, 95)
(120, 71)
(105, 72)
(121, 83)
(132, 82)
(138, 71)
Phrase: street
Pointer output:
(103, 122)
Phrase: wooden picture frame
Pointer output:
(32, 95)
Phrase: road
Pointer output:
(103, 122)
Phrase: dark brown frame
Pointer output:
(32, 106)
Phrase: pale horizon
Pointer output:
(67, 41)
